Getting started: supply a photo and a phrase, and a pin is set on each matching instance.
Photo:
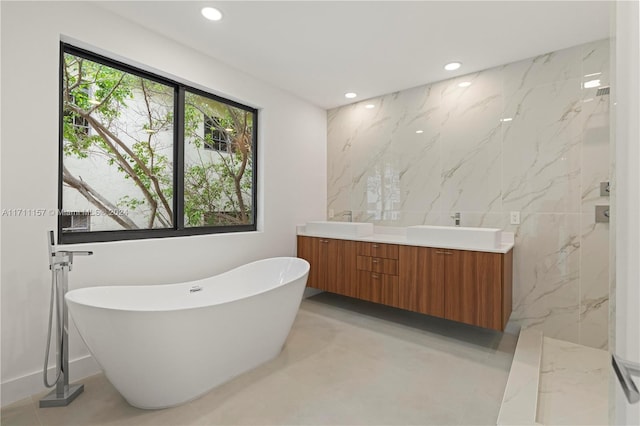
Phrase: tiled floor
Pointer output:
(346, 362)
(574, 384)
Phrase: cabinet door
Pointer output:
(309, 250)
(421, 284)
(333, 264)
(378, 288)
(369, 286)
(341, 267)
(390, 290)
(473, 288)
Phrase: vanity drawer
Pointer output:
(377, 264)
(386, 251)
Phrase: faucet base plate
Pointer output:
(53, 400)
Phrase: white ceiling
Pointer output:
(319, 50)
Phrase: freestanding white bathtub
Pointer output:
(164, 345)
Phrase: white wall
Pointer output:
(292, 174)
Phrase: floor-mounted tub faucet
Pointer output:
(456, 218)
(60, 263)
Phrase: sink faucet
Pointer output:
(456, 218)
(349, 215)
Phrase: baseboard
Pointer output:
(31, 384)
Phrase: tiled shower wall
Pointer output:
(524, 137)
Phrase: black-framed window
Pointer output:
(79, 123)
(143, 156)
(75, 221)
(215, 134)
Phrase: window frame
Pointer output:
(219, 142)
(178, 229)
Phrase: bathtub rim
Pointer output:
(293, 279)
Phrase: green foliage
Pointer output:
(218, 185)
(210, 195)
(128, 121)
(130, 202)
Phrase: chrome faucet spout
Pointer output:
(349, 215)
(456, 218)
(73, 253)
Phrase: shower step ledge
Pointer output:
(574, 384)
(520, 400)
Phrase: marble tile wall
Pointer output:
(527, 137)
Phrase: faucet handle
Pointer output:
(75, 253)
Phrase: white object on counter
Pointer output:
(455, 235)
(355, 229)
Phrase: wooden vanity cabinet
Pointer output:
(466, 286)
(332, 262)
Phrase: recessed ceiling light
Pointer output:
(419, 131)
(94, 102)
(228, 129)
(593, 75)
(350, 95)
(504, 120)
(464, 84)
(369, 106)
(451, 66)
(211, 13)
(591, 84)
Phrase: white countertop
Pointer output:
(397, 235)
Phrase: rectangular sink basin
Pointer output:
(455, 236)
(341, 229)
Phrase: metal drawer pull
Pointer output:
(375, 261)
(324, 241)
(375, 276)
(443, 252)
(624, 370)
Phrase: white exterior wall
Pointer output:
(107, 180)
(291, 175)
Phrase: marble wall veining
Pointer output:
(526, 137)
